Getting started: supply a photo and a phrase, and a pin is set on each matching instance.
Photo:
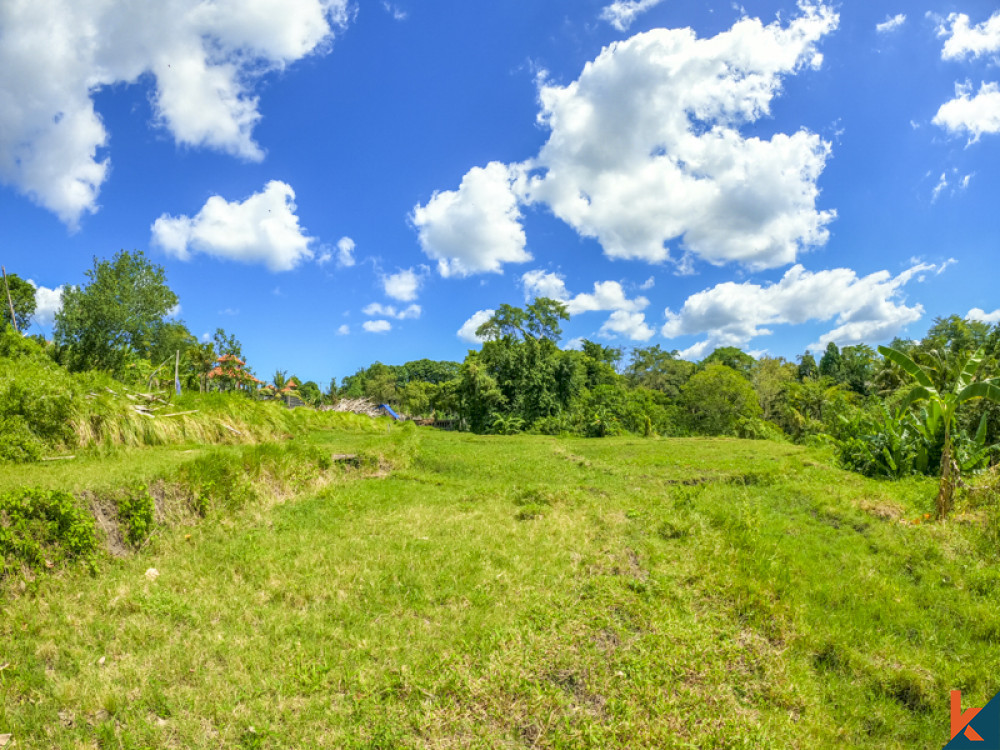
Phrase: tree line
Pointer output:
(926, 406)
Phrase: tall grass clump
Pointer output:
(40, 528)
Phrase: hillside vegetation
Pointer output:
(526, 591)
(46, 410)
(608, 552)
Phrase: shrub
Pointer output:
(17, 442)
(716, 399)
(136, 511)
(41, 527)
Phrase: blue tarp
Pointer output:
(389, 410)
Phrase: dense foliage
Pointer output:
(917, 407)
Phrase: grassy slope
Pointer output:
(525, 592)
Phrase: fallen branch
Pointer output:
(231, 429)
(57, 458)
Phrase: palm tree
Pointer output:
(280, 379)
(943, 399)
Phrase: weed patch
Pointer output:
(40, 529)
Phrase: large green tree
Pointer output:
(717, 398)
(731, 357)
(116, 315)
(22, 296)
(655, 368)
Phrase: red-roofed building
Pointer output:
(228, 374)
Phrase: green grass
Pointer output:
(520, 592)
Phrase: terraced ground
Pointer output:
(524, 592)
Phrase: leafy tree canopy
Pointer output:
(731, 357)
(539, 320)
(116, 315)
(22, 296)
(657, 369)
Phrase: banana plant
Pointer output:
(941, 404)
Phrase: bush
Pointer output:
(136, 511)
(752, 428)
(616, 410)
(716, 399)
(17, 442)
(38, 528)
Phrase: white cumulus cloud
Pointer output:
(261, 229)
(622, 13)
(377, 326)
(891, 23)
(630, 325)
(468, 330)
(962, 39)
(344, 330)
(477, 228)
(971, 115)
(865, 309)
(607, 295)
(982, 316)
(403, 285)
(645, 149)
(388, 311)
(48, 302)
(645, 146)
(202, 57)
(626, 318)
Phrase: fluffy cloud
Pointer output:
(388, 311)
(867, 309)
(971, 115)
(377, 326)
(477, 228)
(622, 13)
(964, 40)
(983, 317)
(344, 330)
(968, 114)
(626, 318)
(261, 229)
(645, 146)
(468, 330)
(645, 149)
(202, 57)
(540, 283)
(48, 302)
(607, 295)
(631, 325)
(404, 285)
(891, 23)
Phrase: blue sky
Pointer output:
(342, 182)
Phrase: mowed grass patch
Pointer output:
(656, 593)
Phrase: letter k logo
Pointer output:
(960, 721)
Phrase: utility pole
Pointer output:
(13, 320)
(177, 366)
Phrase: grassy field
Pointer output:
(514, 592)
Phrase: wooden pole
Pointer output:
(13, 320)
(177, 367)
